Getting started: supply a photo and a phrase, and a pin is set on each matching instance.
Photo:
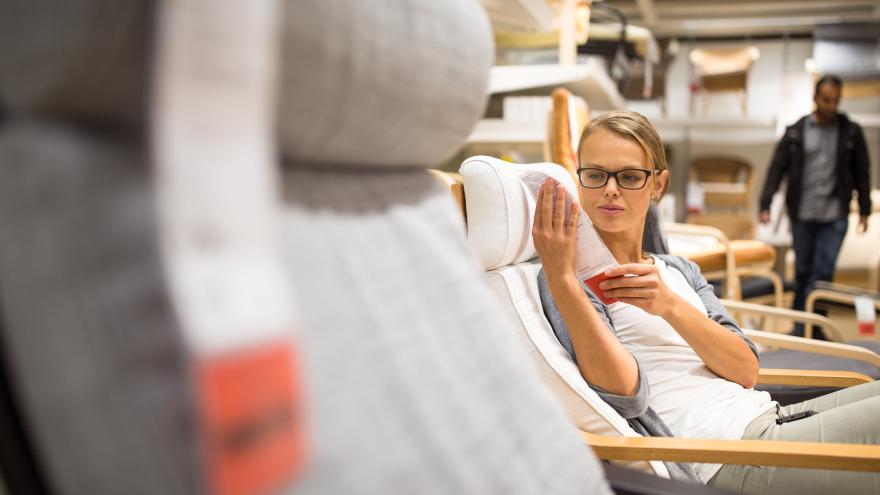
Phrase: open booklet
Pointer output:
(592, 255)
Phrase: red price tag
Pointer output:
(866, 314)
(251, 418)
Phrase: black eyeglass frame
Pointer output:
(648, 173)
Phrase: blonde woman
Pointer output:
(667, 356)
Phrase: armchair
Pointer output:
(514, 283)
(95, 391)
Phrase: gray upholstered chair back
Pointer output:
(416, 385)
(95, 367)
(653, 240)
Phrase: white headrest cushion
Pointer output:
(398, 82)
(500, 211)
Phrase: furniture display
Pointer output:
(725, 184)
(722, 70)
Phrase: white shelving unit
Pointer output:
(587, 80)
(731, 131)
(504, 132)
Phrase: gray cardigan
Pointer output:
(635, 408)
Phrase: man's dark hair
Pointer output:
(827, 79)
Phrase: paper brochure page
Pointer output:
(592, 255)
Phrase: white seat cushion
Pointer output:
(516, 287)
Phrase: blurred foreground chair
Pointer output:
(499, 224)
(413, 386)
(135, 293)
(96, 389)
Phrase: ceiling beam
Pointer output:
(677, 9)
(744, 25)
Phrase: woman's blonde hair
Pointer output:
(634, 126)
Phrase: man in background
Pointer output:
(825, 158)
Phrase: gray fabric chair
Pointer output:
(414, 387)
(411, 386)
(94, 368)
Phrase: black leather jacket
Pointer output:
(852, 167)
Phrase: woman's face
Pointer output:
(611, 208)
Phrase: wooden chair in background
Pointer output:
(722, 71)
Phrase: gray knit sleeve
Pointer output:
(704, 290)
(628, 406)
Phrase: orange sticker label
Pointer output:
(251, 419)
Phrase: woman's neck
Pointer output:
(626, 247)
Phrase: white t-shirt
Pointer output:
(691, 400)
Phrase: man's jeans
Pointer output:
(816, 246)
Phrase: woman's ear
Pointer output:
(660, 185)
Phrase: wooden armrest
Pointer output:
(728, 263)
(814, 346)
(745, 253)
(786, 314)
(847, 289)
(691, 229)
(453, 181)
(811, 378)
(838, 296)
(750, 452)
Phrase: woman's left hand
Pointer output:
(639, 284)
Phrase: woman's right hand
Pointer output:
(552, 232)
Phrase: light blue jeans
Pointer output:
(851, 415)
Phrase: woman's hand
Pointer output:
(640, 284)
(552, 232)
(724, 352)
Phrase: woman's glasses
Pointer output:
(627, 178)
